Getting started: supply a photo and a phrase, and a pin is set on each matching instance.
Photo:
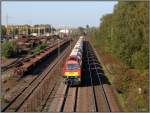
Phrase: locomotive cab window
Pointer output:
(73, 66)
(73, 58)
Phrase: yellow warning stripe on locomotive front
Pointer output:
(71, 74)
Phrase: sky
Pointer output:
(56, 13)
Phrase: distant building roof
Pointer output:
(64, 31)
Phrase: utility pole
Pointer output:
(7, 20)
(38, 30)
(7, 23)
(58, 52)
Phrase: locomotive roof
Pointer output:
(71, 62)
(78, 47)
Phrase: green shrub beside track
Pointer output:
(39, 48)
(9, 49)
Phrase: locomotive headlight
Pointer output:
(66, 73)
(76, 73)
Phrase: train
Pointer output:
(73, 66)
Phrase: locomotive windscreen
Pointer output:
(73, 66)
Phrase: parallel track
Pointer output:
(13, 64)
(96, 77)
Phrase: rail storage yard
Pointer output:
(79, 82)
(74, 56)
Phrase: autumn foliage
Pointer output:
(124, 35)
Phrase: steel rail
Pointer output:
(99, 78)
(89, 69)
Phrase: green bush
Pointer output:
(9, 49)
(122, 82)
(39, 48)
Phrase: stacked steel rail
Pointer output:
(32, 61)
(18, 61)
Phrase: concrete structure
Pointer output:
(41, 29)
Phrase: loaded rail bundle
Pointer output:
(33, 60)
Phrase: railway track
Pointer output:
(91, 95)
(25, 91)
(13, 64)
(96, 74)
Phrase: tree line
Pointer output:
(125, 31)
(124, 34)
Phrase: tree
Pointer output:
(125, 32)
(9, 49)
(3, 30)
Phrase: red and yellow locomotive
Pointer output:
(73, 66)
